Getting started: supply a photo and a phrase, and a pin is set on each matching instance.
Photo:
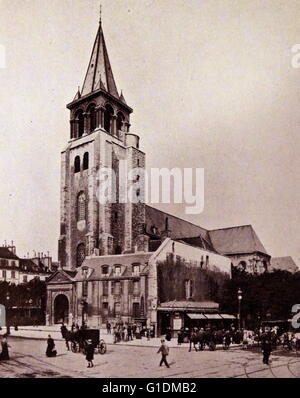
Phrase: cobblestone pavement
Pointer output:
(28, 360)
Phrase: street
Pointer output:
(28, 360)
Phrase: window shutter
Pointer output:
(112, 287)
(130, 287)
(191, 288)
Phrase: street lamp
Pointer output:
(258, 319)
(7, 316)
(239, 302)
(84, 305)
(30, 301)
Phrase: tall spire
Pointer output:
(99, 73)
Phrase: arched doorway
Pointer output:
(61, 309)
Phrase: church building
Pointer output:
(111, 254)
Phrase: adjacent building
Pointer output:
(16, 270)
(284, 264)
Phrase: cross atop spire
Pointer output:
(99, 74)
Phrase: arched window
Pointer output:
(136, 269)
(120, 121)
(242, 265)
(105, 269)
(80, 255)
(86, 161)
(93, 120)
(81, 207)
(80, 123)
(77, 164)
(108, 113)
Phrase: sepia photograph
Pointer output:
(150, 163)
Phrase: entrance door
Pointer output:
(61, 309)
(164, 322)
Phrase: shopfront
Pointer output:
(185, 315)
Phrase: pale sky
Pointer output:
(211, 85)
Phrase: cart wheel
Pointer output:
(212, 347)
(74, 347)
(102, 347)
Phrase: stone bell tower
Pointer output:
(100, 138)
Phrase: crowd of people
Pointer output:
(198, 338)
(128, 331)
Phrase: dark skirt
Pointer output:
(90, 353)
(4, 356)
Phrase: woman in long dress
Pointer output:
(4, 356)
(50, 352)
(90, 354)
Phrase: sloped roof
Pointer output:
(199, 242)
(99, 73)
(7, 254)
(122, 259)
(61, 276)
(284, 263)
(179, 228)
(27, 265)
(236, 240)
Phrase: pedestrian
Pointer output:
(266, 349)
(164, 349)
(108, 327)
(123, 333)
(63, 330)
(50, 352)
(134, 327)
(180, 337)
(148, 334)
(90, 353)
(4, 355)
(227, 340)
(129, 332)
(115, 334)
(168, 334)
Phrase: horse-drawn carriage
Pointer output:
(79, 340)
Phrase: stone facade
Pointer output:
(127, 287)
(103, 139)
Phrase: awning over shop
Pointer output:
(213, 316)
(196, 316)
(227, 316)
(202, 306)
(210, 316)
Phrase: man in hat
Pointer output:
(90, 353)
(164, 349)
(266, 348)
